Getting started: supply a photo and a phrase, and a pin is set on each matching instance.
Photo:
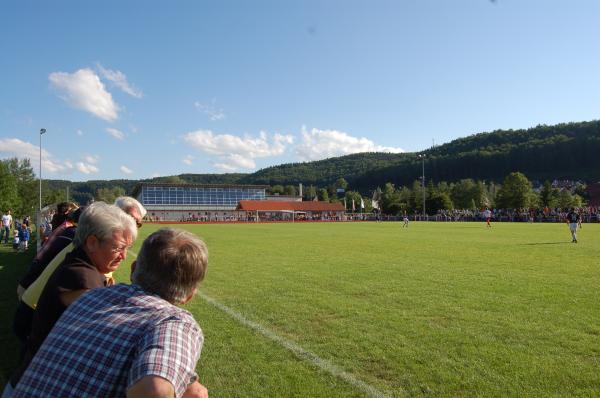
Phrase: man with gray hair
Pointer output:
(104, 234)
(132, 207)
(129, 340)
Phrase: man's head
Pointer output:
(132, 207)
(105, 233)
(170, 264)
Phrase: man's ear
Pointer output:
(92, 242)
(190, 296)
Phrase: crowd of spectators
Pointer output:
(546, 214)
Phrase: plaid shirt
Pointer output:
(108, 340)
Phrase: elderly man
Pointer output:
(104, 234)
(129, 340)
(47, 260)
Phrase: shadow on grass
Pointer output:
(12, 266)
(545, 243)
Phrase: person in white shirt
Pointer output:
(487, 214)
(7, 223)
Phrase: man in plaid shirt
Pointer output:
(129, 340)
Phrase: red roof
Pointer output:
(275, 205)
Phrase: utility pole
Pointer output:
(422, 157)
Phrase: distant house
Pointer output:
(593, 191)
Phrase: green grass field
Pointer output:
(372, 309)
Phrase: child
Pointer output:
(16, 240)
(23, 237)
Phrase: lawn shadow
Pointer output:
(545, 243)
(12, 266)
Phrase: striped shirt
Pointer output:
(108, 340)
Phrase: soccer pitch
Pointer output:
(374, 309)
(377, 310)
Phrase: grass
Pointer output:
(438, 309)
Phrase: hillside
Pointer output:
(564, 151)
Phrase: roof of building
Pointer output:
(275, 205)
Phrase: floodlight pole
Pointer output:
(422, 157)
(42, 131)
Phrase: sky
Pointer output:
(138, 89)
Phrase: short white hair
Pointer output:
(127, 202)
(102, 220)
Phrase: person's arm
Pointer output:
(67, 298)
(151, 387)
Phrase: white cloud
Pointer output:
(189, 160)
(84, 90)
(320, 144)
(210, 110)
(237, 152)
(125, 170)
(93, 159)
(86, 168)
(14, 147)
(119, 135)
(226, 168)
(79, 132)
(120, 80)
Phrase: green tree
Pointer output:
(323, 195)
(516, 192)
(109, 195)
(341, 183)
(9, 197)
(350, 196)
(277, 190)
(290, 190)
(438, 201)
(565, 199)
(27, 186)
(548, 195)
(310, 193)
(390, 200)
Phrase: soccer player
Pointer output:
(405, 219)
(573, 219)
(487, 214)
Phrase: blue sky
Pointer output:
(136, 89)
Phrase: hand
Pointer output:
(195, 390)
(20, 291)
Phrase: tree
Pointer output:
(109, 195)
(548, 195)
(390, 200)
(438, 201)
(277, 190)
(9, 198)
(27, 189)
(341, 183)
(516, 192)
(323, 195)
(290, 190)
(353, 196)
(310, 193)
(565, 199)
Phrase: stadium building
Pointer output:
(219, 203)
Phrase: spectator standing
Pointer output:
(129, 339)
(23, 237)
(7, 223)
(104, 234)
(16, 240)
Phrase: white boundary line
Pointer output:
(297, 350)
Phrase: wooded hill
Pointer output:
(564, 151)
